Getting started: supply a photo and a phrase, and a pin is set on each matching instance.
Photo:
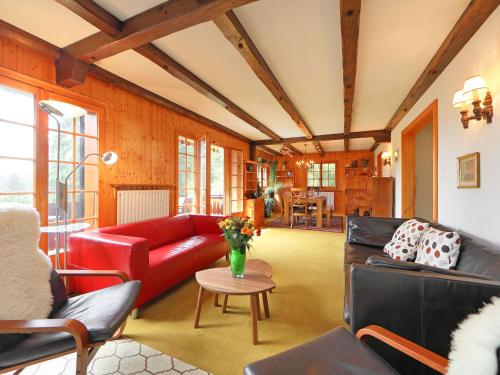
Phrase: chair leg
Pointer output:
(135, 313)
(82, 361)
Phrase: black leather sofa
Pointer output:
(421, 303)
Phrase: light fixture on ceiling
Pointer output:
(303, 163)
(285, 150)
(386, 158)
(477, 93)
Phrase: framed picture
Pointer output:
(468, 171)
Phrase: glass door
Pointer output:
(216, 180)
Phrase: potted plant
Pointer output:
(238, 232)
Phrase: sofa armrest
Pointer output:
(378, 261)
(97, 251)
(206, 223)
(371, 231)
(423, 307)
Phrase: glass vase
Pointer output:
(238, 259)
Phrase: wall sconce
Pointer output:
(474, 92)
(386, 158)
(396, 155)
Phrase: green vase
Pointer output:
(238, 259)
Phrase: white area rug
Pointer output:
(120, 357)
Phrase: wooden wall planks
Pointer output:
(143, 133)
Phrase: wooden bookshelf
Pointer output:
(285, 177)
(254, 208)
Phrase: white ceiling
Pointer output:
(301, 42)
(397, 39)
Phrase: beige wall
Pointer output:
(476, 211)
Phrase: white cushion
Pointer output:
(439, 249)
(403, 245)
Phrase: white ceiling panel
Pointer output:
(300, 41)
(47, 20)
(361, 144)
(205, 51)
(141, 71)
(397, 39)
(331, 146)
(124, 9)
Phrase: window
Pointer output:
(236, 181)
(322, 175)
(17, 146)
(262, 176)
(216, 180)
(79, 137)
(187, 192)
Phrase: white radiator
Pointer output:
(330, 198)
(138, 205)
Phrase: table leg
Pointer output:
(198, 308)
(216, 299)
(253, 302)
(258, 307)
(224, 305)
(286, 214)
(266, 304)
(319, 215)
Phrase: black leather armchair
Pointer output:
(82, 323)
(421, 303)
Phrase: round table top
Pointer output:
(220, 280)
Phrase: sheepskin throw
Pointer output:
(476, 341)
(25, 271)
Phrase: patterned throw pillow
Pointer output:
(439, 249)
(403, 245)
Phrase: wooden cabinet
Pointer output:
(254, 209)
(382, 196)
(250, 178)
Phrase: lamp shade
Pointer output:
(458, 99)
(475, 88)
(109, 158)
(61, 109)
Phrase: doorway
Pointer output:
(419, 155)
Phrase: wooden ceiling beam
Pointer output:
(269, 150)
(374, 146)
(293, 149)
(122, 83)
(109, 24)
(234, 31)
(167, 63)
(349, 26)
(381, 135)
(319, 148)
(469, 22)
(155, 23)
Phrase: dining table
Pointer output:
(318, 201)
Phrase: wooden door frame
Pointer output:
(428, 117)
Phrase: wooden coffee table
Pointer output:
(220, 280)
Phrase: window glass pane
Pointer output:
(182, 163)
(190, 147)
(66, 151)
(182, 145)
(16, 175)
(16, 140)
(66, 123)
(24, 199)
(85, 205)
(190, 180)
(86, 177)
(190, 164)
(86, 146)
(87, 124)
(64, 170)
(17, 106)
(182, 181)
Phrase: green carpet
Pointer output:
(308, 271)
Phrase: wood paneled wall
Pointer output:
(341, 158)
(143, 133)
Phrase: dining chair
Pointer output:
(300, 207)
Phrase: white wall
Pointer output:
(423, 173)
(474, 211)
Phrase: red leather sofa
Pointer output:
(160, 252)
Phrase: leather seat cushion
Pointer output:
(102, 312)
(358, 254)
(337, 352)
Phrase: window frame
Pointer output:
(195, 173)
(240, 177)
(320, 179)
